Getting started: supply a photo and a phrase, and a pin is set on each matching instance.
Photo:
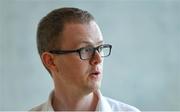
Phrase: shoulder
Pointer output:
(120, 106)
(46, 106)
(42, 107)
(38, 108)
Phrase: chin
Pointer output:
(95, 86)
(94, 83)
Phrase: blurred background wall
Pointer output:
(143, 70)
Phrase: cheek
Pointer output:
(73, 67)
(80, 67)
(74, 73)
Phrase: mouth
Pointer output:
(95, 75)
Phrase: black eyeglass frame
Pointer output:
(59, 52)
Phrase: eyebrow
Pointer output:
(88, 42)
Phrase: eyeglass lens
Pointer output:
(87, 53)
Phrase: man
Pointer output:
(71, 48)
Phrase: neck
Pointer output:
(72, 102)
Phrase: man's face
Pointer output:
(72, 72)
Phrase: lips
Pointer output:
(95, 75)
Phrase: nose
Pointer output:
(96, 59)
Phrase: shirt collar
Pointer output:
(48, 105)
(102, 105)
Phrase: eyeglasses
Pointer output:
(86, 53)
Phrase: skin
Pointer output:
(73, 79)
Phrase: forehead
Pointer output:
(75, 34)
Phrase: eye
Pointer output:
(100, 48)
(88, 49)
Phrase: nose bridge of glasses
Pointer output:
(97, 49)
(97, 52)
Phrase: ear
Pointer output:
(48, 61)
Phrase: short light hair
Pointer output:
(51, 26)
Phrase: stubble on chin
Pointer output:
(95, 86)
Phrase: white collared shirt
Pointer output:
(104, 104)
